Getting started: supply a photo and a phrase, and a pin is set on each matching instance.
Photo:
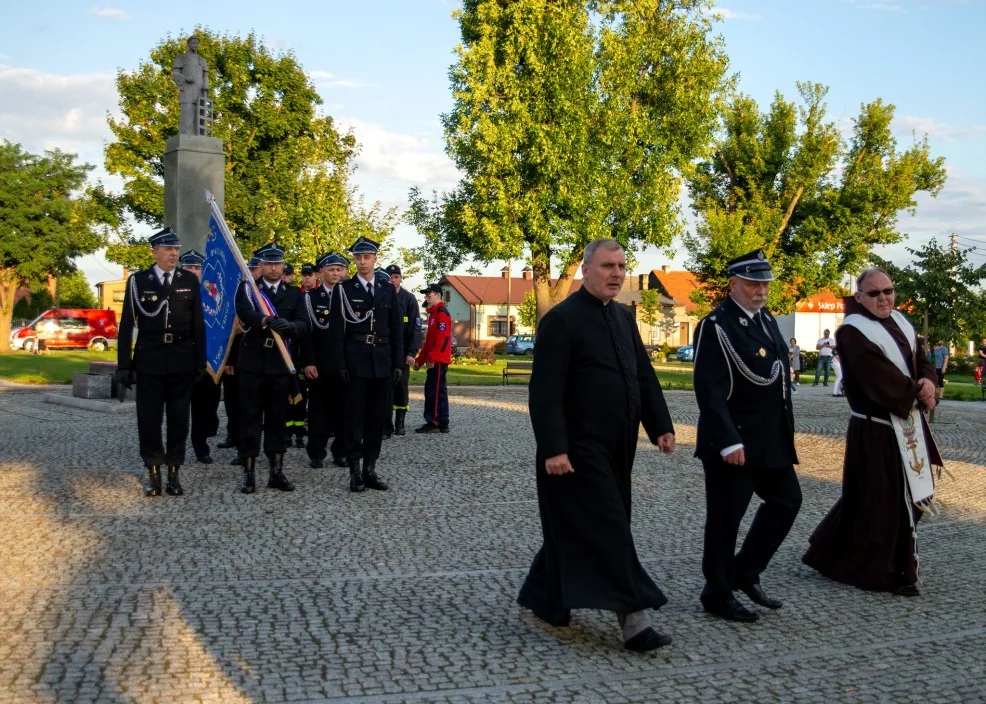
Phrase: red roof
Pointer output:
(493, 289)
(679, 286)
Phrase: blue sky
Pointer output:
(382, 68)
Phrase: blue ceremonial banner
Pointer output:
(221, 276)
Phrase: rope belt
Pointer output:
(881, 421)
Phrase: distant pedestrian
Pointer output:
(794, 354)
(837, 368)
(825, 346)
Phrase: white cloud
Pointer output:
(934, 127)
(725, 14)
(408, 159)
(46, 110)
(324, 79)
(111, 13)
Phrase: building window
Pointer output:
(498, 327)
(447, 295)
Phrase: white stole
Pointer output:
(915, 459)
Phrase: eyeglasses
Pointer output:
(875, 293)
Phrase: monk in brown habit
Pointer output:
(869, 538)
(591, 388)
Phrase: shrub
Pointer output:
(476, 356)
(500, 347)
(809, 358)
(962, 365)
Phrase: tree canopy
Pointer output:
(571, 121)
(50, 216)
(788, 182)
(940, 292)
(288, 168)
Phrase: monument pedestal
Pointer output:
(192, 165)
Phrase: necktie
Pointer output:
(167, 279)
(758, 318)
(369, 290)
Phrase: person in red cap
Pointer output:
(436, 354)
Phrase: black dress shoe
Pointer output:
(154, 486)
(759, 596)
(173, 487)
(204, 459)
(907, 590)
(729, 609)
(427, 428)
(340, 461)
(647, 640)
(443, 429)
(316, 463)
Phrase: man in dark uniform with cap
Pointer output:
(165, 304)
(287, 274)
(322, 368)
(231, 383)
(745, 438)
(207, 393)
(266, 382)
(410, 317)
(373, 358)
(298, 410)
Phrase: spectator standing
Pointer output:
(794, 354)
(940, 353)
(837, 368)
(825, 346)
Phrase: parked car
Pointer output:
(520, 344)
(70, 328)
(686, 353)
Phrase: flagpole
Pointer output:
(245, 270)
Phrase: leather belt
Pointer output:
(370, 339)
(169, 338)
(269, 342)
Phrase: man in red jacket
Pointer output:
(436, 354)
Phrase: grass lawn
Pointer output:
(54, 368)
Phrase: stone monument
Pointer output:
(194, 160)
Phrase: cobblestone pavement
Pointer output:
(408, 595)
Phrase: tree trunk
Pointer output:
(546, 294)
(9, 283)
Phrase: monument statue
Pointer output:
(191, 74)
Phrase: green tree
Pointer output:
(74, 291)
(939, 292)
(571, 121)
(288, 169)
(650, 303)
(39, 301)
(527, 311)
(787, 182)
(48, 217)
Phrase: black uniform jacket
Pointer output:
(410, 315)
(171, 342)
(258, 351)
(734, 359)
(321, 348)
(371, 347)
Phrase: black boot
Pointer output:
(355, 478)
(277, 479)
(399, 422)
(174, 486)
(249, 475)
(370, 478)
(155, 478)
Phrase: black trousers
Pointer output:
(231, 402)
(398, 398)
(298, 411)
(728, 490)
(326, 414)
(205, 414)
(366, 412)
(159, 396)
(264, 402)
(436, 394)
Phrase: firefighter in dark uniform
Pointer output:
(410, 316)
(327, 390)
(207, 393)
(165, 304)
(231, 383)
(372, 356)
(436, 355)
(266, 382)
(745, 439)
(298, 410)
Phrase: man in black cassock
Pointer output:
(867, 539)
(591, 387)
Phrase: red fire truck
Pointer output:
(69, 328)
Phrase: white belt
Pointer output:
(871, 418)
